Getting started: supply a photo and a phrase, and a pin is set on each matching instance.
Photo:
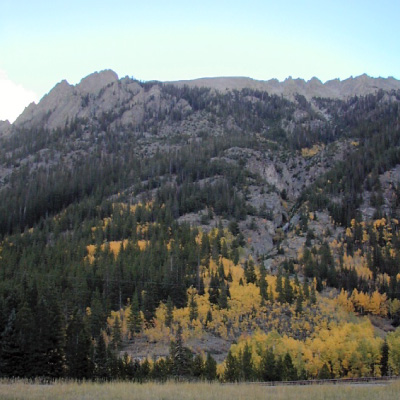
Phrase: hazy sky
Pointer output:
(43, 42)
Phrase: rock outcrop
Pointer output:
(358, 86)
(102, 95)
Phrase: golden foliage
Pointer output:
(308, 152)
(114, 247)
(376, 303)
(349, 349)
(393, 340)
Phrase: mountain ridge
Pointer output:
(334, 88)
(63, 99)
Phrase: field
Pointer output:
(193, 391)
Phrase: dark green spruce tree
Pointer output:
(169, 316)
(385, 359)
(135, 319)
(232, 368)
(210, 368)
(49, 350)
(78, 348)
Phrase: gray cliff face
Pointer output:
(336, 89)
(66, 102)
(5, 128)
(97, 81)
(102, 94)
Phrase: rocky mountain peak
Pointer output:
(64, 101)
(97, 96)
(335, 88)
(4, 127)
(93, 83)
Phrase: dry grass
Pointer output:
(193, 391)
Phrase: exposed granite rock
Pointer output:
(339, 89)
(5, 128)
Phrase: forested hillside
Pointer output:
(153, 230)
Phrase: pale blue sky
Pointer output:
(43, 42)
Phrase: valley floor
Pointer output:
(193, 391)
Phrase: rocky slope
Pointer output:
(296, 137)
(102, 93)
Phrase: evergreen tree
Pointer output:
(12, 356)
(98, 315)
(279, 288)
(25, 338)
(25, 326)
(221, 271)
(332, 279)
(263, 284)
(306, 289)
(149, 300)
(235, 255)
(198, 367)
(114, 364)
(49, 349)
(180, 355)
(223, 296)
(205, 248)
(249, 272)
(267, 366)
(135, 319)
(297, 288)
(160, 370)
(246, 364)
(271, 295)
(232, 370)
(77, 348)
(313, 295)
(385, 359)
(279, 369)
(193, 309)
(224, 249)
(101, 365)
(288, 290)
(201, 290)
(210, 368)
(209, 317)
(299, 304)
(213, 292)
(144, 371)
(289, 371)
(116, 333)
(169, 316)
(324, 373)
(215, 248)
(234, 228)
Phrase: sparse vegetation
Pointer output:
(192, 391)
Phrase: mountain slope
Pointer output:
(102, 92)
(145, 212)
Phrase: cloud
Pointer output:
(13, 98)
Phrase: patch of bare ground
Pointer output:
(382, 325)
(141, 348)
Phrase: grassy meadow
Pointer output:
(192, 391)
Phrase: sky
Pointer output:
(45, 41)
